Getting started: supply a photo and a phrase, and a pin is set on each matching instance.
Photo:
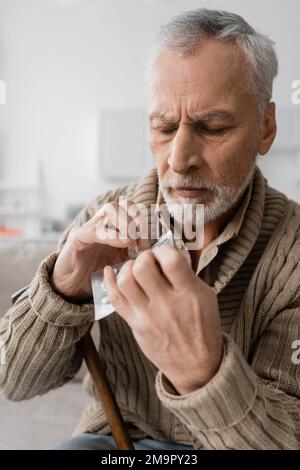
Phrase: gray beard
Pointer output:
(225, 198)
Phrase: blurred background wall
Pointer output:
(65, 60)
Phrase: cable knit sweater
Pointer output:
(253, 402)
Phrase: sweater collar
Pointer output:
(244, 228)
(235, 252)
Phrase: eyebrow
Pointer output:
(213, 115)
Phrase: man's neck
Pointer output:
(212, 230)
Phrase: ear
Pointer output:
(268, 129)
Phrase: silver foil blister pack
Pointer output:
(101, 302)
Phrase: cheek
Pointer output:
(231, 159)
(161, 152)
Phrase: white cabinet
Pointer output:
(124, 152)
(20, 209)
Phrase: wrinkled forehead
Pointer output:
(218, 72)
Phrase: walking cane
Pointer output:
(105, 394)
(106, 397)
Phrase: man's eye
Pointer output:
(164, 131)
(213, 130)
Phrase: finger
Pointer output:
(174, 265)
(119, 218)
(114, 295)
(149, 276)
(129, 288)
(112, 237)
(127, 204)
(128, 219)
(113, 216)
(99, 230)
(115, 226)
(138, 227)
(101, 236)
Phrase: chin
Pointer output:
(175, 198)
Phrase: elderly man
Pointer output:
(199, 354)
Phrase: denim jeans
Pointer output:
(89, 441)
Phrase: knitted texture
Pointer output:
(253, 402)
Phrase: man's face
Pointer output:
(203, 126)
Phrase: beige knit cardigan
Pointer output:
(253, 402)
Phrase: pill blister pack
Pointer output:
(101, 302)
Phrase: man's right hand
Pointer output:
(103, 240)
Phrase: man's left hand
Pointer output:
(173, 314)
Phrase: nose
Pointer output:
(185, 152)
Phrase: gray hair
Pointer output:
(184, 33)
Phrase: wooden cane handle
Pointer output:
(106, 397)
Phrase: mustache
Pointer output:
(195, 182)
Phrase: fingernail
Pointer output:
(105, 269)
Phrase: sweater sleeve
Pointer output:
(38, 338)
(39, 335)
(247, 405)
